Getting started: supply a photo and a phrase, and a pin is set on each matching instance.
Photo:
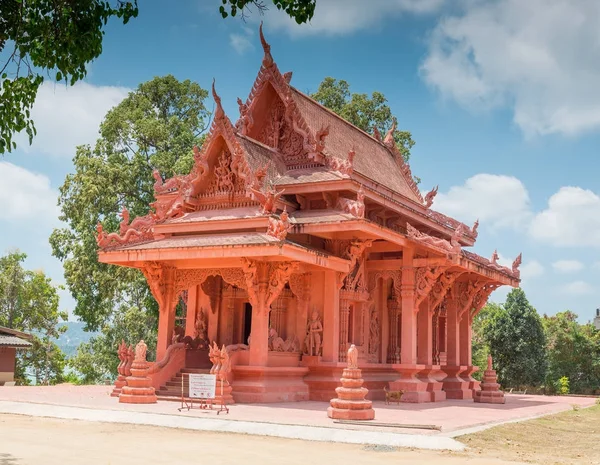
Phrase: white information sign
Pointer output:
(202, 386)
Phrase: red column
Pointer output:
(409, 321)
(259, 330)
(452, 333)
(331, 321)
(465, 341)
(425, 340)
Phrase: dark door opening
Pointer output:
(247, 322)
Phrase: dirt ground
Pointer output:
(565, 438)
(34, 441)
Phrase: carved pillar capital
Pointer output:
(425, 279)
(466, 292)
(161, 280)
(441, 287)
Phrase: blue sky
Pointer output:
(503, 104)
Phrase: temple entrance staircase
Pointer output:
(172, 390)
(196, 361)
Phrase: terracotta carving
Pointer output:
(353, 207)
(374, 337)
(314, 330)
(389, 137)
(356, 277)
(246, 121)
(268, 199)
(452, 248)
(515, 266)
(474, 232)
(280, 227)
(352, 357)
(494, 259)
(201, 325)
(376, 134)
(430, 196)
(343, 166)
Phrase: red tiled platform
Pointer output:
(451, 415)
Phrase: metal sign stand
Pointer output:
(203, 403)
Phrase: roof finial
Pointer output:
(219, 113)
(389, 137)
(267, 59)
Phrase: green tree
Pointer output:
(299, 10)
(97, 359)
(30, 303)
(517, 342)
(480, 347)
(54, 37)
(155, 127)
(362, 111)
(573, 352)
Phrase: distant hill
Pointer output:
(72, 337)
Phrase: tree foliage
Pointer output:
(362, 111)
(573, 352)
(97, 360)
(155, 127)
(57, 37)
(517, 342)
(29, 303)
(299, 10)
(480, 346)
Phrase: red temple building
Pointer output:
(296, 235)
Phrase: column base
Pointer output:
(119, 383)
(415, 389)
(262, 384)
(454, 385)
(489, 397)
(467, 375)
(434, 387)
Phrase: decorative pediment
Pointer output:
(270, 116)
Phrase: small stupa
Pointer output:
(351, 403)
(139, 388)
(490, 390)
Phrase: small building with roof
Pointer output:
(11, 340)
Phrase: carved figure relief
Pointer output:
(246, 121)
(374, 333)
(356, 281)
(494, 259)
(452, 248)
(277, 344)
(314, 330)
(140, 230)
(353, 357)
(140, 351)
(201, 325)
(279, 227)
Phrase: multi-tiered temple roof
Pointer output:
(289, 178)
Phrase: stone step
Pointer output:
(204, 371)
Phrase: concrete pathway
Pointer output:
(308, 433)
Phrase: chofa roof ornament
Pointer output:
(267, 59)
(219, 113)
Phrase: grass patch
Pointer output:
(565, 438)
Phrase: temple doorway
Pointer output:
(247, 321)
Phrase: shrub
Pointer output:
(563, 386)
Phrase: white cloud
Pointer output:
(578, 288)
(342, 17)
(496, 200)
(531, 269)
(572, 218)
(26, 196)
(567, 266)
(69, 116)
(242, 43)
(538, 57)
